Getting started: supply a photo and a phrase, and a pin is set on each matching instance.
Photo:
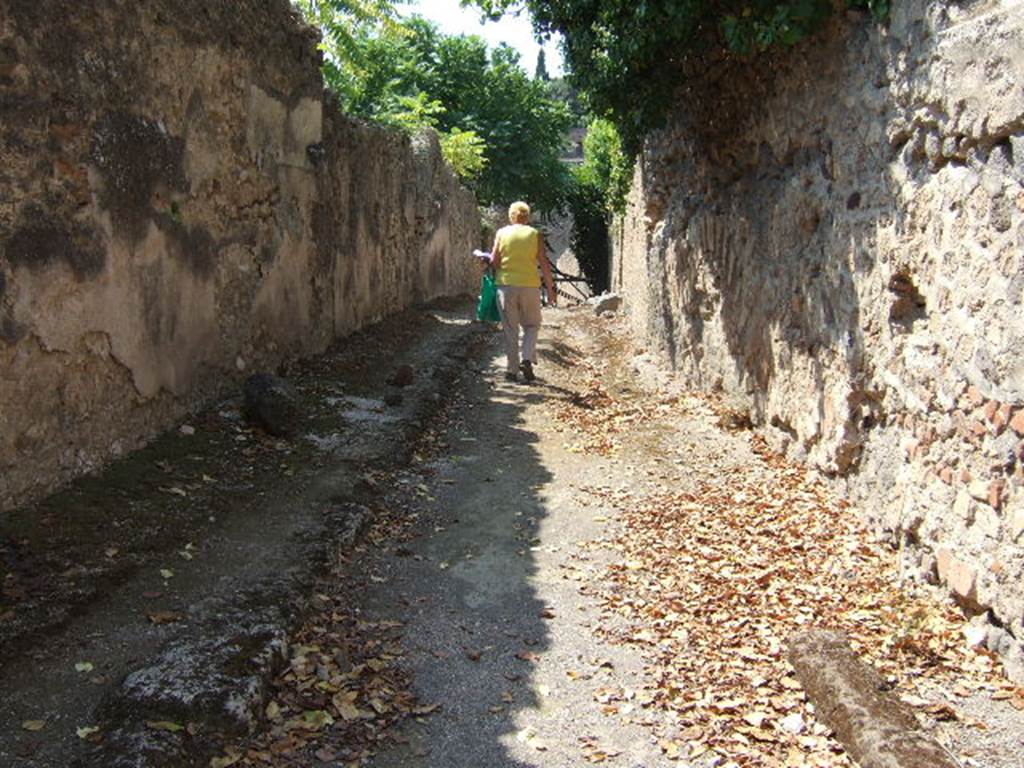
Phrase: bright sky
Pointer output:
(513, 30)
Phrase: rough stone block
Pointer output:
(1003, 450)
(1001, 418)
(963, 506)
(978, 489)
(874, 726)
(607, 302)
(978, 428)
(1015, 513)
(958, 575)
(272, 403)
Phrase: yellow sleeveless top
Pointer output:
(518, 246)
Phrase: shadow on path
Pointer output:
(467, 595)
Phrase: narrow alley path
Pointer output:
(592, 570)
(596, 569)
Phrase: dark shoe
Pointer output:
(511, 376)
(527, 368)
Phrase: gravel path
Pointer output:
(498, 631)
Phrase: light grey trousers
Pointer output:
(519, 306)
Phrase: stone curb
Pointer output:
(851, 698)
(217, 675)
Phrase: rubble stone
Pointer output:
(272, 404)
(606, 302)
(960, 577)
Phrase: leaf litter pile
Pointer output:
(708, 584)
(594, 417)
(346, 686)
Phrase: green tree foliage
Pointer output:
(342, 22)
(499, 128)
(489, 93)
(562, 91)
(590, 240)
(599, 189)
(465, 151)
(540, 72)
(621, 53)
(605, 167)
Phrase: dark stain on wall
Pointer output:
(138, 159)
(40, 241)
(11, 331)
(8, 62)
(274, 27)
(194, 247)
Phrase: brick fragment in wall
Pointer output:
(990, 408)
(1001, 418)
(996, 490)
(974, 396)
(1017, 422)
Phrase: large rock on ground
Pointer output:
(272, 404)
(606, 302)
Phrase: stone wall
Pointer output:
(834, 238)
(181, 205)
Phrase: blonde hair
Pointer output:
(519, 212)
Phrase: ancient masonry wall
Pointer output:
(180, 205)
(834, 239)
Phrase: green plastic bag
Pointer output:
(487, 308)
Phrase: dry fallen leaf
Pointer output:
(709, 579)
(312, 720)
(164, 617)
(164, 725)
(87, 732)
(529, 737)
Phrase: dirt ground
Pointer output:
(595, 568)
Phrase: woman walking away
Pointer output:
(518, 252)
